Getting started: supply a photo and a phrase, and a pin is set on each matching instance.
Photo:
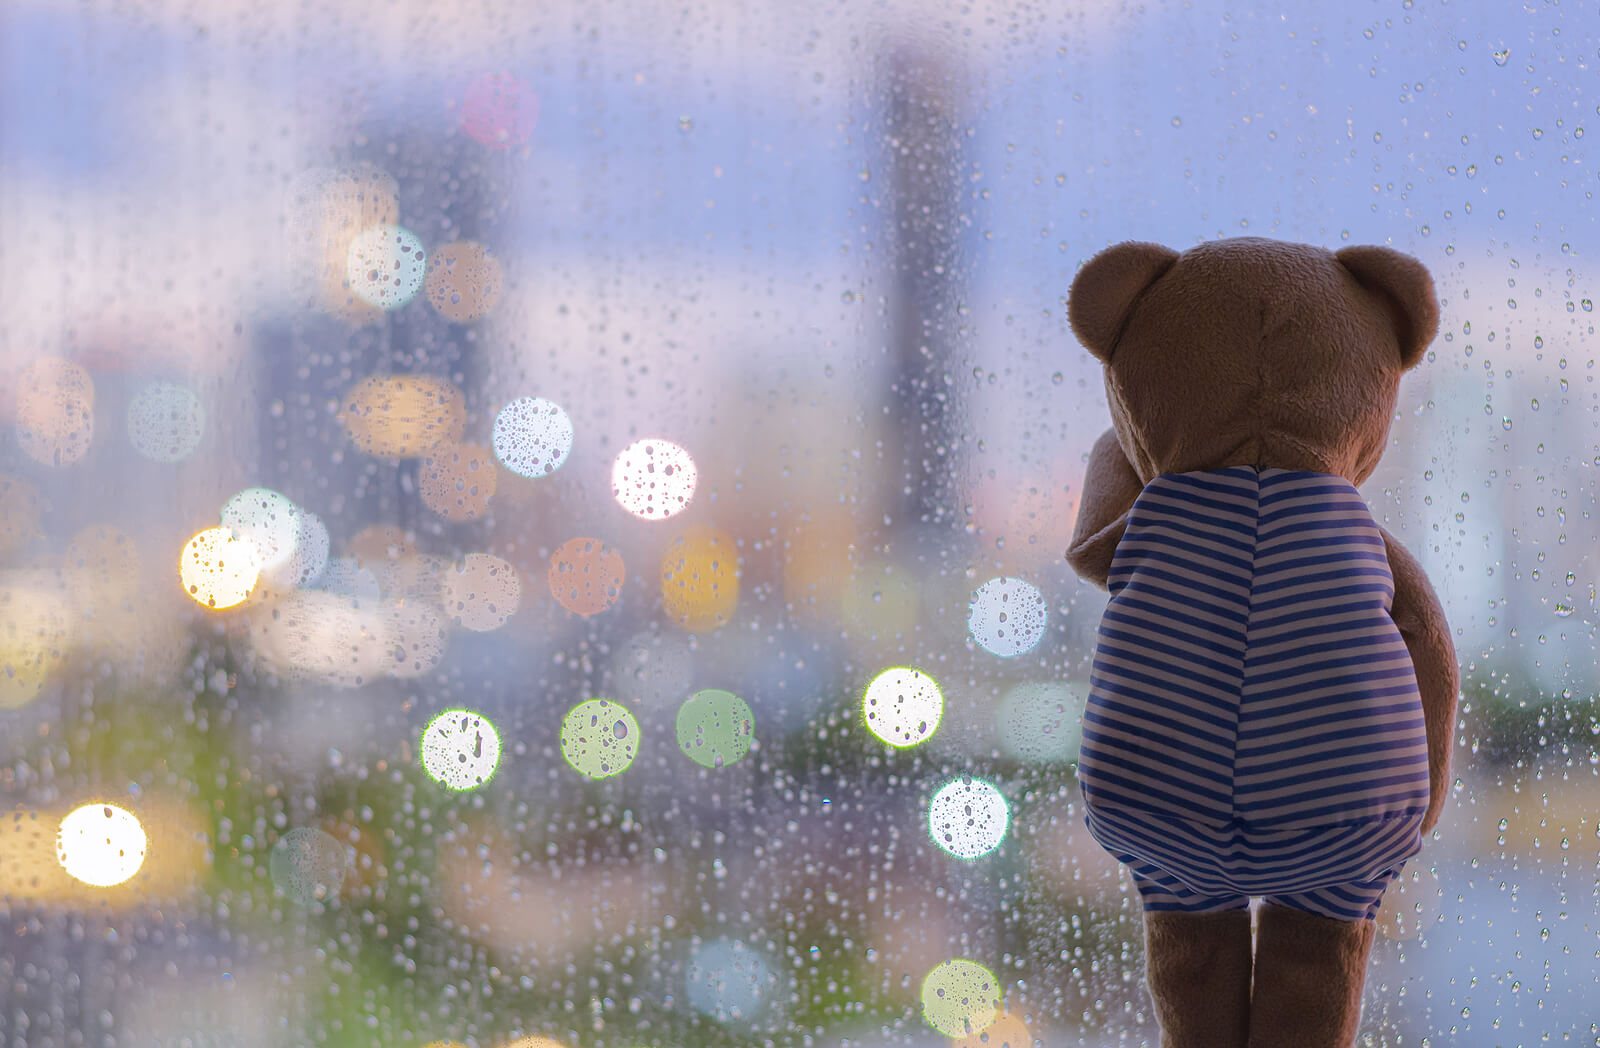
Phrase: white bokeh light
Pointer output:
(1038, 722)
(166, 422)
(968, 817)
(532, 436)
(902, 706)
(386, 266)
(101, 844)
(460, 749)
(1007, 616)
(653, 479)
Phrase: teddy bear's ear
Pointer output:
(1105, 289)
(1406, 289)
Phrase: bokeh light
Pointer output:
(499, 111)
(269, 520)
(322, 636)
(458, 480)
(960, 998)
(1038, 722)
(1007, 616)
(1008, 1031)
(715, 727)
(219, 569)
(460, 749)
(729, 981)
(166, 422)
(101, 844)
(700, 579)
(532, 436)
(308, 865)
(19, 512)
(586, 576)
(387, 266)
(403, 416)
(968, 817)
(902, 706)
(599, 738)
(653, 479)
(327, 209)
(481, 592)
(55, 411)
(463, 282)
(35, 635)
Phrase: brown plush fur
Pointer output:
(1309, 971)
(1198, 970)
(1260, 353)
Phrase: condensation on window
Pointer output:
(543, 525)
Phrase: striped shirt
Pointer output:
(1253, 723)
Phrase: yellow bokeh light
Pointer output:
(700, 579)
(36, 851)
(535, 1042)
(463, 281)
(403, 416)
(458, 480)
(101, 844)
(55, 411)
(218, 568)
(35, 625)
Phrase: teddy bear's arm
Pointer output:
(1110, 487)
(1421, 622)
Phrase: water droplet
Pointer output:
(1538, 132)
(1177, 121)
(866, 174)
(1505, 423)
(1502, 56)
(1564, 608)
(1472, 169)
(686, 123)
(847, 297)
(1571, 578)
(1535, 403)
(1588, 306)
(1056, 379)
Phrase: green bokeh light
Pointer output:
(715, 728)
(960, 998)
(599, 738)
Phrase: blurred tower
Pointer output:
(922, 139)
(438, 186)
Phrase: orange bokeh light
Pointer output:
(403, 416)
(464, 281)
(586, 576)
(457, 481)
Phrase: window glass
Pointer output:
(543, 525)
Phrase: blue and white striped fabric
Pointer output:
(1253, 724)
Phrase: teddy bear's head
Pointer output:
(1253, 352)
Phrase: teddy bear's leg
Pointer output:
(1309, 973)
(1197, 962)
(1198, 969)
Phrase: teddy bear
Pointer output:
(1273, 689)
